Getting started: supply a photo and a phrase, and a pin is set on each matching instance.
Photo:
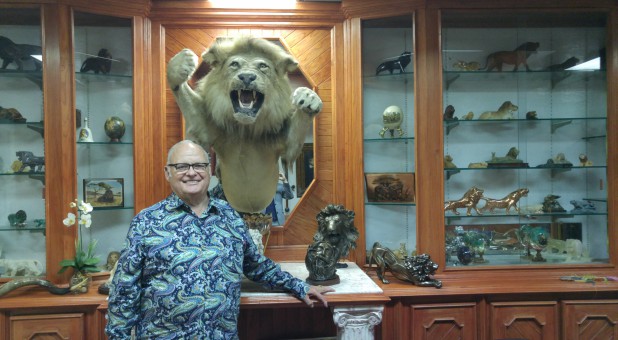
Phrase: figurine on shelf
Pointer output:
(505, 111)
(402, 252)
(461, 65)
(583, 206)
(509, 160)
(18, 53)
(28, 159)
(11, 115)
(469, 201)
(468, 116)
(448, 162)
(18, 219)
(551, 204)
(449, 113)
(102, 63)
(399, 63)
(112, 258)
(584, 161)
(559, 161)
(535, 238)
(477, 241)
(85, 134)
(416, 269)
(531, 115)
(392, 119)
(507, 202)
(114, 128)
(516, 57)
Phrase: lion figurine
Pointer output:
(504, 112)
(244, 109)
(508, 202)
(469, 200)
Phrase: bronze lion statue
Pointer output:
(469, 201)
(245, 110)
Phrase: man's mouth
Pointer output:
(247, 102)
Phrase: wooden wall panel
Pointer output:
(312, 48)
(590, 320)
(526, 320)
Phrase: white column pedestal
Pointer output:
(357, 322)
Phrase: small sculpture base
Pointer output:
(335, 280)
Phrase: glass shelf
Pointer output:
(390, 139)
(105, 143)
(526, 216)
(456, 170)
(391, 203)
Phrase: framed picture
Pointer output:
(104, 192)
(304, 169)
(395, 187)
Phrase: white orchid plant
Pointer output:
(84, 261)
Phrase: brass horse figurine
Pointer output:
(415, 269)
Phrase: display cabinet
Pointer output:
(525, 146)
(104, 102)
(387, 54)
(22, 147)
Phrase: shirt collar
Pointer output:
(214, 205)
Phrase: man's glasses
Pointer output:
(184, 167)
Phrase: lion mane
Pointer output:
(245, 110)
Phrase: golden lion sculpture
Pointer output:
(244, 109)
(508, 202)
(469, 200)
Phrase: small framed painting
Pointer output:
(395, 187)
(104, 192)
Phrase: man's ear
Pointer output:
(168, 175)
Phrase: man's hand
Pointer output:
(316, 292)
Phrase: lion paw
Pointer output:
(307, 100)
(181, 67)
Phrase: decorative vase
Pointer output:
(80, 282)
(85, 134)
(114, 128)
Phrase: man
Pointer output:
(180, 272)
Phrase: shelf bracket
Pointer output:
(555, 125)
(450, 125)
(450, 173)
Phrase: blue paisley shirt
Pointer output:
(179, 274)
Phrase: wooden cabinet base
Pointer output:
(47, 326)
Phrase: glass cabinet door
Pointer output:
(22, 158)
(388, 133)
(525, 98)
(103, 50)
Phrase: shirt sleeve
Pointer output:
(125, 295)
(261, 269)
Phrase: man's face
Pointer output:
(190, 184)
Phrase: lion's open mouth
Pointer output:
(247, 102)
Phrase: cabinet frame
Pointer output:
(429, 146)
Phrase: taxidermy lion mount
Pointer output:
(245, 110)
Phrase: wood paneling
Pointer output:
(59, 105)
(524, 320)
(590, 320)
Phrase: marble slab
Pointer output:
(353, 281)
